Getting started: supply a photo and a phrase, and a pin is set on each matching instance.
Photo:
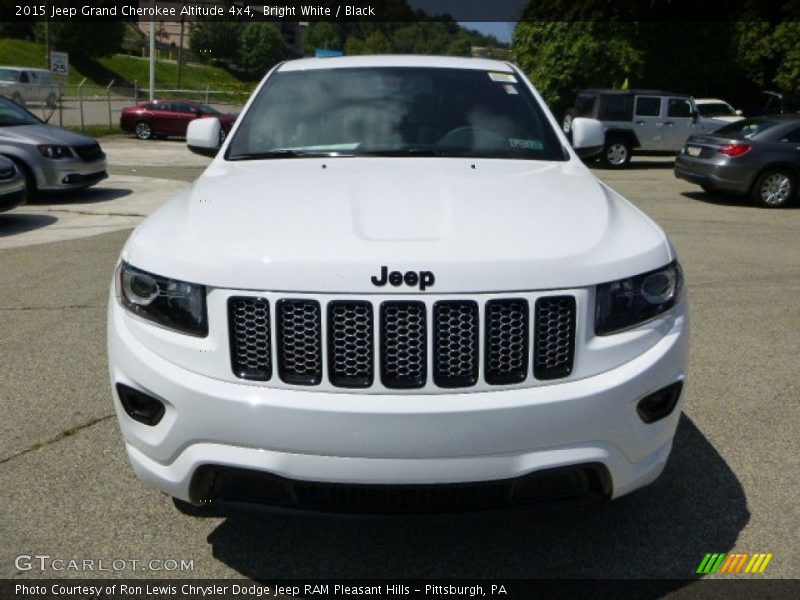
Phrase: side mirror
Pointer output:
(695, 116)
(588, 136)
(203, 136)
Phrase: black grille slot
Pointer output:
(506, 341)
(249, 330)
(89, 153)
(299, 325)
(455, 343)
(350, 355)
(403, 344)
(554, 337)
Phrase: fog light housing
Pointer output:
(660, 404)
(140, 406)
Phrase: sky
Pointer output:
(501, 30)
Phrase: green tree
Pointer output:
(71, 36)
(261, 46)
(215, 39)
(376, 43)
(786, 49)
(561, 58)
(322, 34)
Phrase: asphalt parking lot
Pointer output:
(68, 491)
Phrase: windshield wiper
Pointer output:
(405, 152)
(286, 153)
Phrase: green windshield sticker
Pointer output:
(526, 144)
(502, 77)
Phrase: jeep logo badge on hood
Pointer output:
(424, 279)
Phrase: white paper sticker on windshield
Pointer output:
(502, 77)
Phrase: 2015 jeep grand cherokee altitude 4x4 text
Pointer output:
(397, 288)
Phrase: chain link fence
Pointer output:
(81, 106)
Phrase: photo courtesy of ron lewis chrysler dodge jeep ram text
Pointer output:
(397, 289)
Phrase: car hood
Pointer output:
(329, 225)
(43, 134)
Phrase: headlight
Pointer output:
(174, 304)
(628, 302)
(51, 151)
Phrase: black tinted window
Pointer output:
(747, 128)
(584, 105)
(679, 108)
(648, 106)
(617, 107)
(793, 136)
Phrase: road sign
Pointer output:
(59, 63)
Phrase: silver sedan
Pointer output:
(12, 185)
(50, 159)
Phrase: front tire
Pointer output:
(775, 188)
(30, 180)
(616, 154)
(143, 131)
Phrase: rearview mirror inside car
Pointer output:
(588, 136)
(203, 136)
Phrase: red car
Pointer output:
(169, 118)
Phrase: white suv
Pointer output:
(396, 289)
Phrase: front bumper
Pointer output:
(12, 193)
(715, 173)
(67, 174)
(396, 439)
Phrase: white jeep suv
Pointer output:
(397, 289)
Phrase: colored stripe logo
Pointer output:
(735, 562)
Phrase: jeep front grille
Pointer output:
(251, 355)
(405, 344)
(350, 356)
(299, 326)
(554, 338)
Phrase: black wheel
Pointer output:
(30, 181)
(143, 131)
(616, 154)
(775, 188)
(222, 135)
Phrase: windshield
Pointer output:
(716, 109)
(395, 111)
(745, 129)
(12, 114)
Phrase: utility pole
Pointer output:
(47, 33)
(180, 55)
(152, 59)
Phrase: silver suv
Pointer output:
(641, 121)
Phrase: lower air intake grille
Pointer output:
(403, 344)
(554, 337)
(350, 355)
(299, 326)
(248, 323)
(455, 343)
(506, 341)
